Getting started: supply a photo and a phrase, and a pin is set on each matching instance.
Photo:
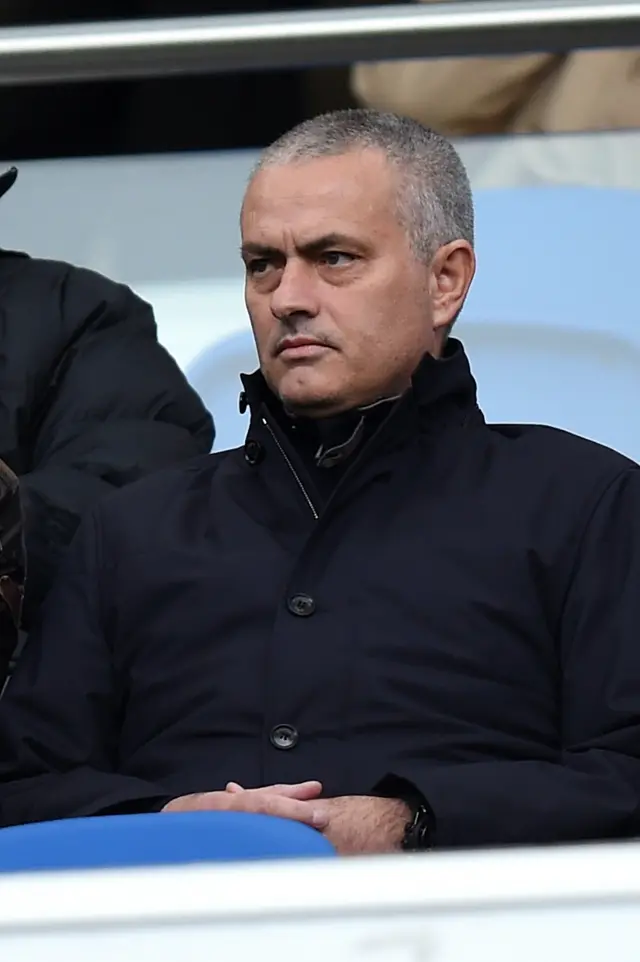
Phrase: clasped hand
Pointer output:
(300, 803)
(353, 824)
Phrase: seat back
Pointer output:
(158, 839)
(552, 323)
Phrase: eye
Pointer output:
(258, 266)
(337, 258)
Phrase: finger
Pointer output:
(280, 806)
(259, 802)
(233, 787)
(305, 791)
(197, 802)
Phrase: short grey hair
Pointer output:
(435, 203)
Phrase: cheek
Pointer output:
(261, 321)
(394, 329)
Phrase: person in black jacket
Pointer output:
(90, 400)
(381, 616)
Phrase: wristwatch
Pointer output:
(417, 834)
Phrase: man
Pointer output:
(381, 616)
(90, 402)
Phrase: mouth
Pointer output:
(300, 347)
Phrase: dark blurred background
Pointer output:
(220, 111)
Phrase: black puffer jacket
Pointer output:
(89, 400)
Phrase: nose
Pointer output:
(296, 293)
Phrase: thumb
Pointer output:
(234, 788)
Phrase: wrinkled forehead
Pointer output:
(348, 192)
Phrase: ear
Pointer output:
(452, 270)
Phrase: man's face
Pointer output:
(342, 310)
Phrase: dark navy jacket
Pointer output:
(463, 614)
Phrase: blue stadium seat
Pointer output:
(555, 255)
(118, 841)
(552, 324)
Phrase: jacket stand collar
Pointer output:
(436, 382)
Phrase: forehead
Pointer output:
(346, 193)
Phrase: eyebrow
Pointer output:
(258, 250)
(312, 247)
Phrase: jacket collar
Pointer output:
(444, 379)
(441, 401)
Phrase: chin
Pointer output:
(308, 393)
(310, 405)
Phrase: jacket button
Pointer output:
(284, 737)
(243, 402)
(301, 605)
(253, 452)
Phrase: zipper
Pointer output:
(292, 469)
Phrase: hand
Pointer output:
(355, 824)
(295, 802)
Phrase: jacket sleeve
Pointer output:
(60, 711)
(118, 408)
(593, 790)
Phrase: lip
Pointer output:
(300, 347)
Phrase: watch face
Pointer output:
(423, 832)
(417, 836)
